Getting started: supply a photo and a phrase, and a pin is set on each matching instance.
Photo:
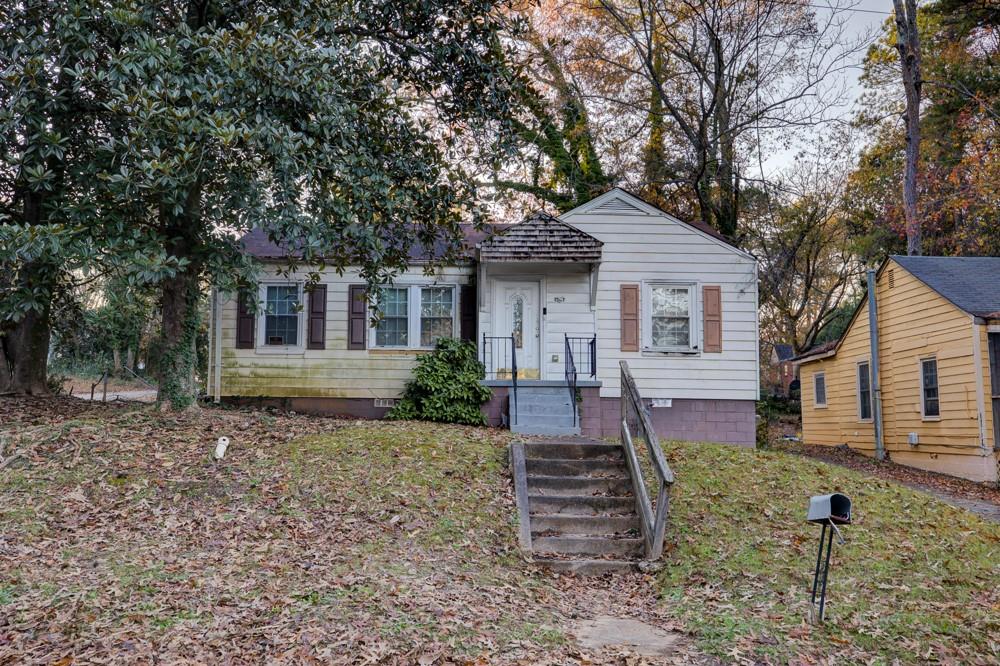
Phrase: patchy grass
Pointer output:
(121, 540)
(917, 580)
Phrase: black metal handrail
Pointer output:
(584, 354)
(570, 372)
(636, 419)
(499, 356)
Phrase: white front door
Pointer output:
(516, 310)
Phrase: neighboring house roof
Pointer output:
(257, 244)
(541, 237)
(971, 284)
(817, 352)
(783, 351)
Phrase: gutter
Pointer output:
(876, 385)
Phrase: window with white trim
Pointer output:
(864, 391)
(819, 389)
(930, 404)
(281, 316)
(670, 317)
(415, 316)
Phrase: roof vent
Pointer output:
(892, 278)
(616, 206)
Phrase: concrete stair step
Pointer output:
(543, 428)
(585, 567)
(579, 485)
(560, 525)
(544, 407)
(594, 468)
(550, 419)
(581, 505)
(589, 545)
(573, 450)
(535, 391)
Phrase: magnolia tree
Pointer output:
(332, 126)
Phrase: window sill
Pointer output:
(930, 419)
(648, 351)
(285, 350)
(399, 351)
(820, 406)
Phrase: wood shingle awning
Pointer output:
(541, 238)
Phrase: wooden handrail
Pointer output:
(653, 528)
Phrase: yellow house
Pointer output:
(931, 393)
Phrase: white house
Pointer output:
(561, 299)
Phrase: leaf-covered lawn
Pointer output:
(918, 581)
(315, 539)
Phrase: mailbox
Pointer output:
(835, 508)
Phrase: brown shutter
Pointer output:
(245, 322)
(630, 317)
(316, 320)
(467, 312)
(711, 297)
(357, 316)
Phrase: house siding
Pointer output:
(333, 372)
(914, 323)
(653, 246)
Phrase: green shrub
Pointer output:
(445, 386)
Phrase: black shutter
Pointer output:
(357, 316)
(245, 322)
(467, 308)
(316, 320)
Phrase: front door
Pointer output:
(516, 308)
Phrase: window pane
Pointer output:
(392, 329)
(670, 302)
(670, 316)
(864, 391)
(436, 314)
(930, 384)
(517, 326)
(671, 332)
(820, 389)
(281, 315)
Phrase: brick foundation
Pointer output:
(693, 420)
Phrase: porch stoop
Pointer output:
(543, 410)
(576, 507)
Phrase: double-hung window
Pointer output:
(819, 394)
(670, 318)
(864, 391)
(281, 319)
(930, 405)
(415, 316)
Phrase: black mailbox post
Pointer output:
(829, 511)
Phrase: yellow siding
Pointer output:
(333, 372)
(914, 323)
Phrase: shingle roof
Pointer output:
(257, 244)
(818, 350)
(541, 237)
(970, 283)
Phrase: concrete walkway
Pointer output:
(982, 508)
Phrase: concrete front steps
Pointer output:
(576, 505)
(543, 410)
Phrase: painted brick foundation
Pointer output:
(693, 420)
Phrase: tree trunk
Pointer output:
(24, 350)
(179, 328)
(908, 45)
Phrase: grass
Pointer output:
(916, 581)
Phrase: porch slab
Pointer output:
(541, 383)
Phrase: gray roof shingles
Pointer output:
(972, 284)
(541, 237)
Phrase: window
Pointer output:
(670, 317)
(281, 315)
(517, 325)
(414, 317)
(437, 314)
(393, 328)
(930, 404)
(864, 391)
(819, 384)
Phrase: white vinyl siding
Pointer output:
(651, 248)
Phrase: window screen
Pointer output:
(281, 315)
(820, 384)
(437, 314)
(929, 387)
(864, 391)
(393, 326)
(670, 314)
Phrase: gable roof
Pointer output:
(971, 284)
(256, 243)
(541, 237)
(619, 201)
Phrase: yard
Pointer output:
(376, 542)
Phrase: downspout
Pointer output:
(876, 385)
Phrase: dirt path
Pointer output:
(148, 395)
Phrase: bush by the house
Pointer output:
(445, 386)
